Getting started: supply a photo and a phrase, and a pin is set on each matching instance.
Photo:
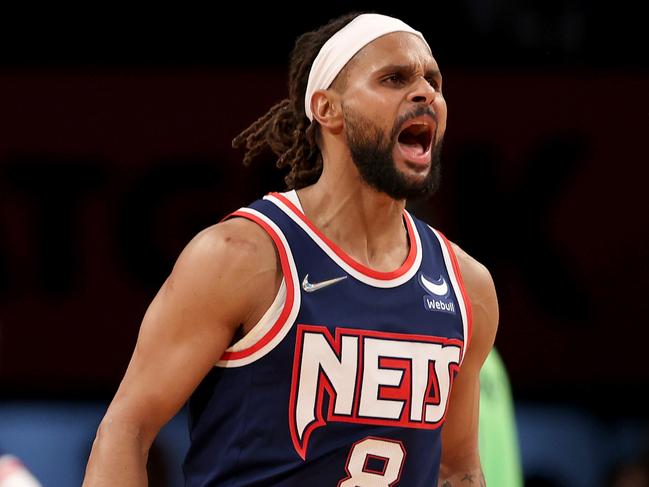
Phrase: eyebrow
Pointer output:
(408, 68)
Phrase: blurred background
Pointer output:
(115, 131)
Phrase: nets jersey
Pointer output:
(345, 380)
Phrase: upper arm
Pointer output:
(219, 282)
(460, 433)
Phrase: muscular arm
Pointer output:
(460, 465)
(224, 278)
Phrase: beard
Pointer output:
(372, 154)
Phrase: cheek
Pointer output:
(440, 109)
(376, 107)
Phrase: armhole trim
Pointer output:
(280, 316)
(453, 269)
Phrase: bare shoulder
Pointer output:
(233, 246)
(235, 261)
(237, 236)
(481, 291)
(477, 279)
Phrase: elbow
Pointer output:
(118, 430)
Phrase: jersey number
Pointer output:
(374, 462)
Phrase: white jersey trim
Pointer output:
(269, 320)
(264, 324)
(370, 281)
(456, 289)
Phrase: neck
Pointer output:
(366, 224)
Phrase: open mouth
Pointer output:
(417, 137)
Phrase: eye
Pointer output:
(395, 79)
(434, 82)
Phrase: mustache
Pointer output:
(414, 113)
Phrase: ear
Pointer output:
(326, 109)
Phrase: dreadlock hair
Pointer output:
(285, 128)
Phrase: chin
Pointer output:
(413, 171)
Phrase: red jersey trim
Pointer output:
(290, 293)
(384, 276)
(460, 281)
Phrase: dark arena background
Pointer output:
(115, 133)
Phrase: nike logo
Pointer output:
(436, 288)
(309, 287)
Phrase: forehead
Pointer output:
(396, 48)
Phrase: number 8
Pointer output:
(390, 452)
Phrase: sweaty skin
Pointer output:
(229, 274)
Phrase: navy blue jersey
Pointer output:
(345, 380)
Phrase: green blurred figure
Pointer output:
(499, 451)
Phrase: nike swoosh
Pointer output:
(309, 287)
(437, 289)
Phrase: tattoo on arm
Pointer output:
(470, 478)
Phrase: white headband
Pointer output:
(344, 44)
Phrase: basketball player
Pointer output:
(325, 336)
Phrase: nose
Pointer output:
(422, 92)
